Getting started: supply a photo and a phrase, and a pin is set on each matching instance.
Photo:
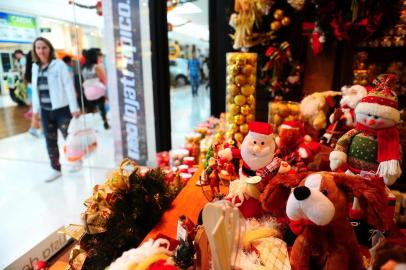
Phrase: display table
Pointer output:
(189, 202)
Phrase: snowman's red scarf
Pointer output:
(388, 141)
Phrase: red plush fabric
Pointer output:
(250, 208)
(161, 265)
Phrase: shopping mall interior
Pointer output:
(128, 124)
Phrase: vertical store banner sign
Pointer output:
(17, 29)
(130, 93)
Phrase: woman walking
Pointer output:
(54, 98)
(94, 82)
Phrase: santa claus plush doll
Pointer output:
(259, 166)
(343, 118)
(257, 152)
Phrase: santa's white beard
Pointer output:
(255, 162)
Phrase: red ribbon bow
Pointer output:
(297, 226)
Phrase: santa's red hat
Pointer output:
(381, 100)
(294, 125)
(260, 127)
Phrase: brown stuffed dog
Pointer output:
(317, 205)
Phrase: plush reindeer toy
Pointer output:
(317, 204)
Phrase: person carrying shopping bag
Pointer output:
(54, 98)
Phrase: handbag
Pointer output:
(94, 89)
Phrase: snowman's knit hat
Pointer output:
(381, 100)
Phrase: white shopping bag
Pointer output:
(82, 138)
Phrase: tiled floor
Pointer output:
(31, 209)
(187, 111)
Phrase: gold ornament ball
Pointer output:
(240, 80)
(230, 118)
(233, 89)
(233, 109)
(245, 109)
(252, 60)
(278, 14)
(230, 78)
(232, 128)
(232, 70)
(238, 137)
(240, 60)
(229, 134)
(251, 100)
(250, 118)
(244, 128)
(232, 59)
(239, 119)
(240, 100)
(217, 136)
(247, 70)
(247, 90)
(285, 21)
(276, 25)
(252, 79)
(229, 98)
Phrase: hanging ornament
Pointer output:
(285, 21)
(278, 14)
(97, 6)
(297, 4)
(318, 38)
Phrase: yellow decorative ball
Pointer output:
(285, 21)
(238, 137)
(233, 109)
(233, 89)
(278, 14)
(252, 59)
(229, 98)
(239, 119)
(232, 59)
(244, 128)
(247, 70)
(240, 80)
(240, 100)
(232, 128)
(232, 70)
(230, 78)
(229, 134)
(230, 118)
(247, 90)
(276, 25)
(240, 60)
(245, 109)
(251, 100)
(250, 118)
(252, 79)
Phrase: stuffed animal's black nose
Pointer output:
(301, 193)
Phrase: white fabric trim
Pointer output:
(338, 155)
(380, 110)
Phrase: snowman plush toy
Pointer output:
(259, 166)
(372, 148)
